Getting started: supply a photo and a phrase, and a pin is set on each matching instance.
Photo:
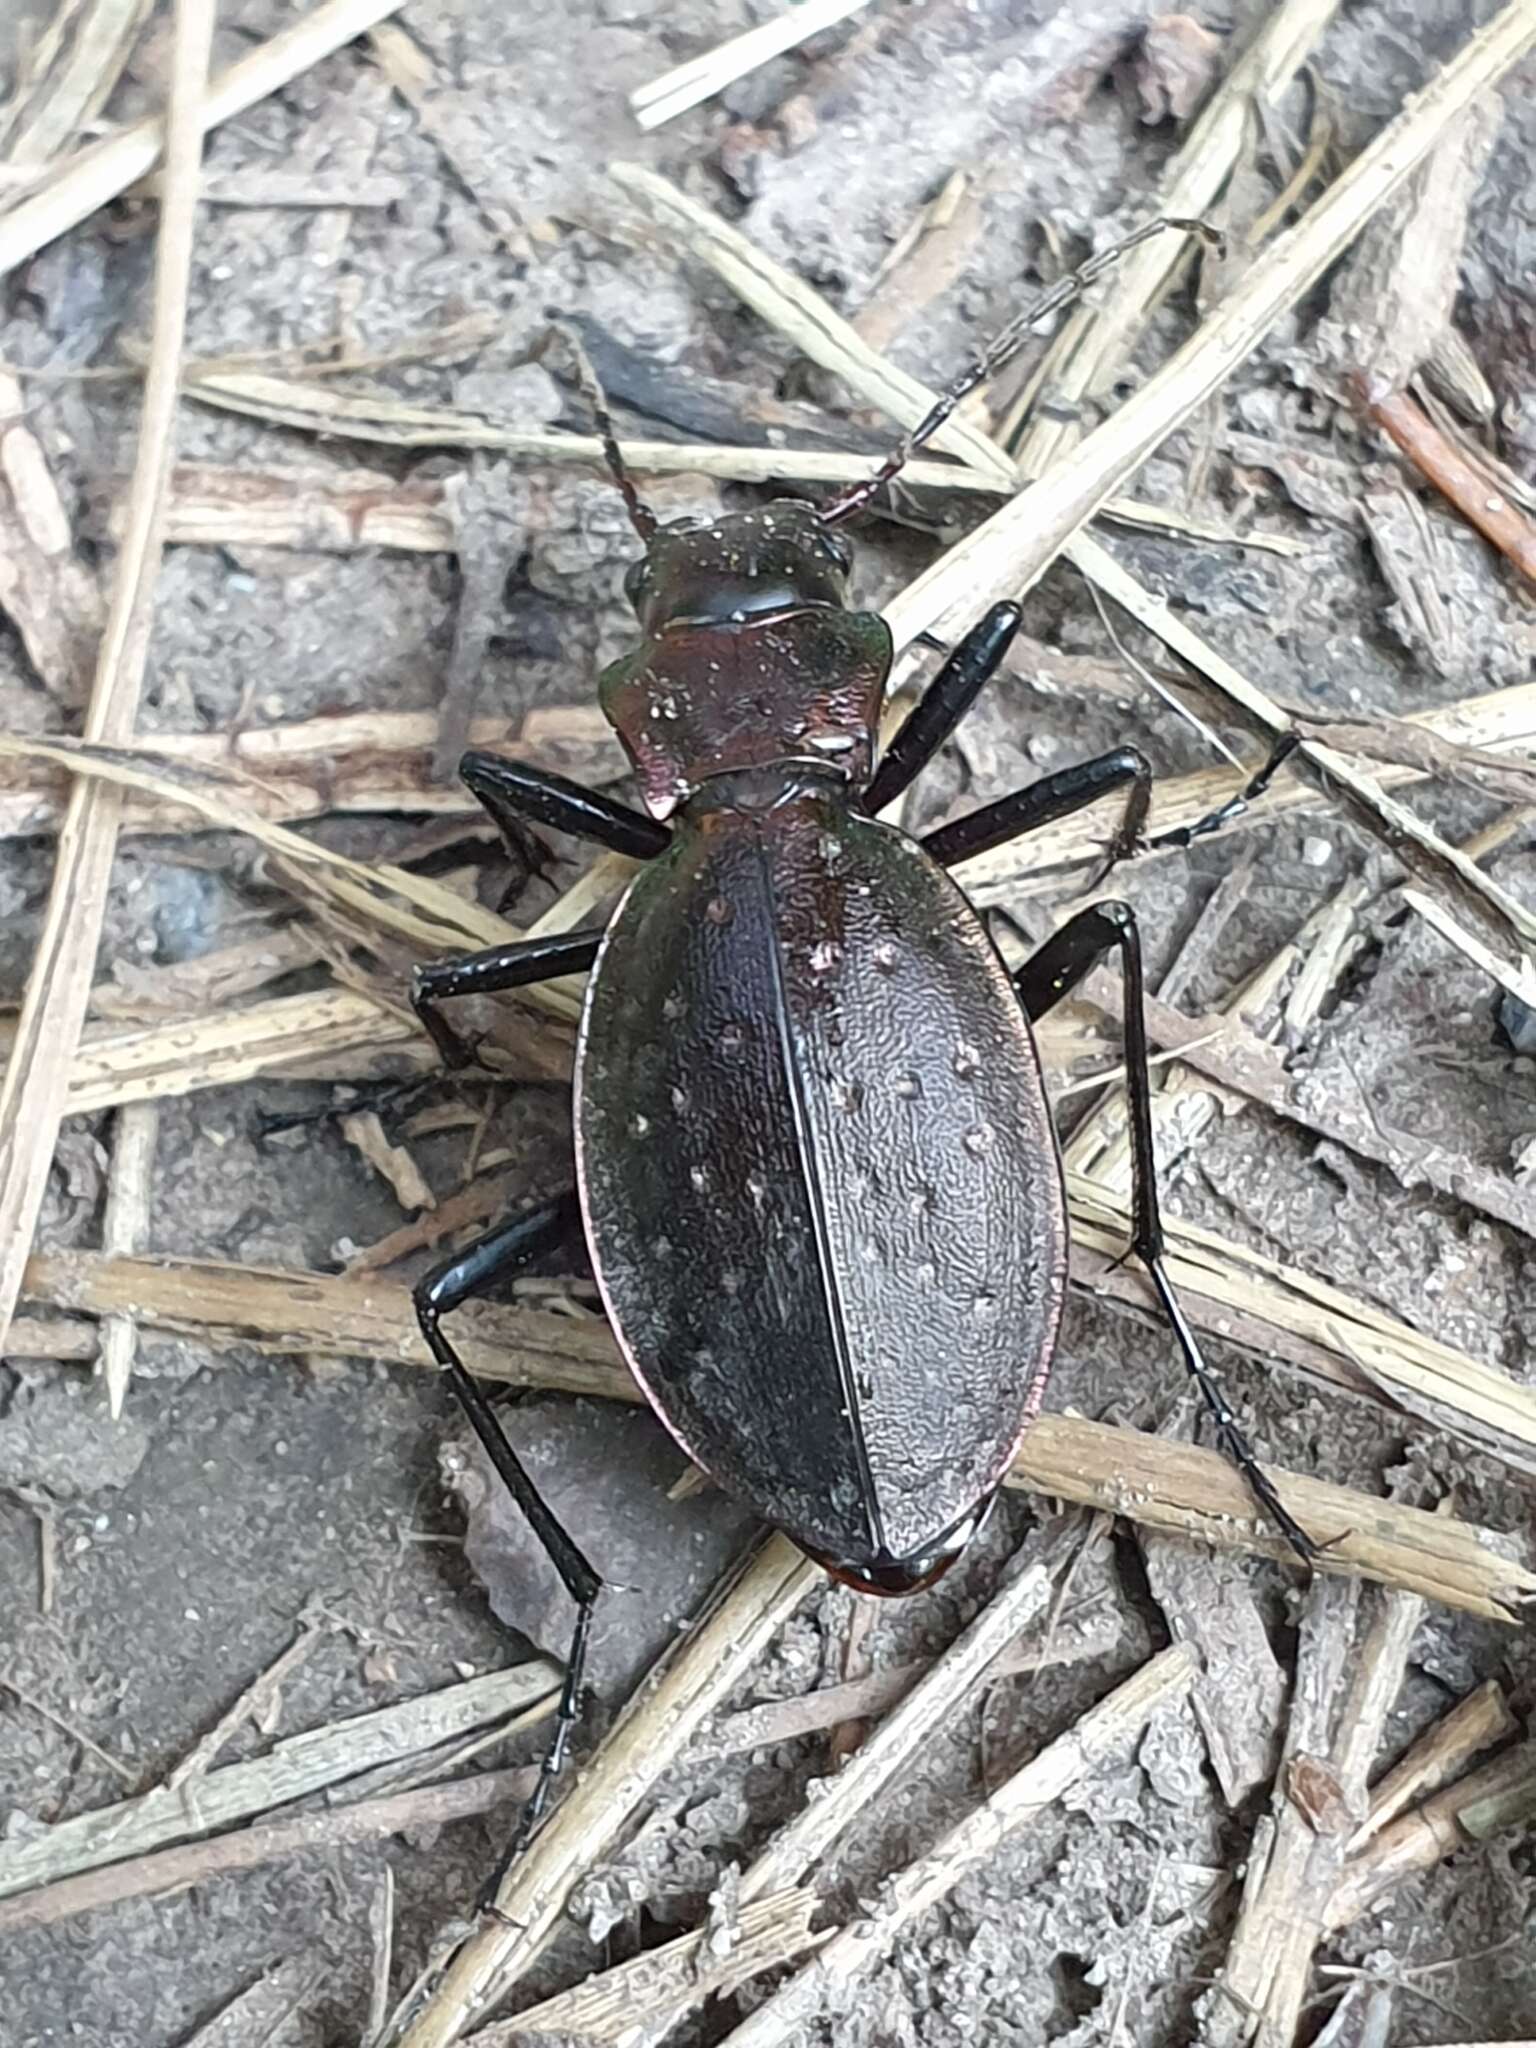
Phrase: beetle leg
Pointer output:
(1053, 972)
(1053, 796)
(490, 1258)
(1254, 787)
(943, 704)
(515, 965)
(511, 789)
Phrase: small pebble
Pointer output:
(1316, 853)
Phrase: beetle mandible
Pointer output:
(815, 1165)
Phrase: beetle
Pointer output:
(815, 1165)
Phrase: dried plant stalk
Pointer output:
(1104, 1731)
(50, 597)
(424, 912)
(1014, 546)
(1499, 721)
(129, 1193)
(366, 761)
(159, 1872)
(1163, 1485)
(1440, 1755)
(297, 1765)
(1096, 340)
(77, 60)
(96, 176)
(1199, 1494)
(687, 85)
(157, 1061)
(874, 1767)
(1502, 1794)
(58, 986)
(764, 1935)
(658, 1721)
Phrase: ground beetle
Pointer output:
(817, 1172)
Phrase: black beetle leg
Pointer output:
(511, 789)
(942, 705)
(1254, 787)
(490, 1258)
(1053, 796)
(516, 965)
(1042, 981)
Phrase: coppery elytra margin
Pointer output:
(815, 1166)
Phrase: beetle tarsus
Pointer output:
(491, 1258)
(1234, 807)
(1052, 973)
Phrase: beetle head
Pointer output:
(743, 566)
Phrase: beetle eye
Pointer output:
(838, 549)
(634, 581)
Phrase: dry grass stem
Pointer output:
(262, 2013)
(393, 1163)
(1494, 721)
(1294, 1862)
(1199, 1494)
(1103, 1732)
(1500, 1795)
(764, 1935)
(426, 913)
(1345, 1689)
(1167, 1486)
(1096, 341)
(1396, 295)
(489, 1196)
(33, 1093)
(130, 1190)
(1010, 551)
(1506, 925)
(381, 418)
(50, 598)
(94, 177)
(162, 1871)
(647, 1739)
(381, 1931)
(330, 510)
(900, 1737)
(369, 761)
(284, 1035)
(226, 507)
(217, 979)
(1079, 1640)
(1440, 1755)
(297, 1765)
(1233, 1289)
(801, 313)
(253, 1705)
(687, 85)
(70, 71)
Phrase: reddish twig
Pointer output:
(1438, 459)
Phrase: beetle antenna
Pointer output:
(641, 517)
(996, 353)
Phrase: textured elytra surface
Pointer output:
(821, 1186)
